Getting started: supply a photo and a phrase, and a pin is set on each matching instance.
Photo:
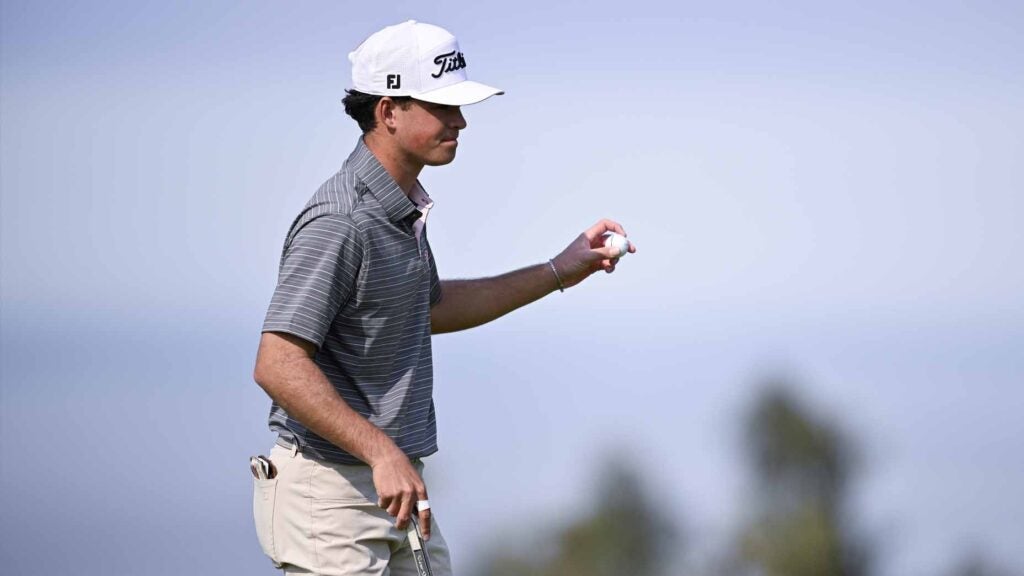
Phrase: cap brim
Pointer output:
(462, 94)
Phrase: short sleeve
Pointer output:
(319, 272)
(435, 280)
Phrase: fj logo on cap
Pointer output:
(394, 81)
(449, 62)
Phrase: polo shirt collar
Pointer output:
(369, 170)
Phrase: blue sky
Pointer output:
(828, 192)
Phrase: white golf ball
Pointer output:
(612, 239)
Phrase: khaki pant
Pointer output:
(322, 518)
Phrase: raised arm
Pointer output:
(468, 303)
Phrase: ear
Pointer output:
(385, 113)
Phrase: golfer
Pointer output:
(345, 353)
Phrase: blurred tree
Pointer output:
(624, 535)
(976, 564)
(802, 468)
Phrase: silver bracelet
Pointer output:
(561, 287)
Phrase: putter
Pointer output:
(419, 552)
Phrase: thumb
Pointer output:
(607, 252)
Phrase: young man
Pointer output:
(345, 353)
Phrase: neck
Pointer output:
(398, 166)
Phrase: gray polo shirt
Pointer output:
(357, 278)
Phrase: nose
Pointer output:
(458, 121)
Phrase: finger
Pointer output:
(616, 227)
(607, 252)
(425, 523)
(424, 514)
(395, 507)
(404, 511)
(602, 226)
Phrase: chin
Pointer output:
(441, 159)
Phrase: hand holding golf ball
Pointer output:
(616, 240)
(591, 251)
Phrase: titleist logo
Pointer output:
(449, 62)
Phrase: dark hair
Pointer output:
(360, 107)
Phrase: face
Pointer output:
(427, 133)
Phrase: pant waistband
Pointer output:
(294, 448)
(290, 446)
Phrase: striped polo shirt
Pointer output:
(357, 278)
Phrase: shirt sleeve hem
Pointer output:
(294, 331)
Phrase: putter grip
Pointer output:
(419, 553)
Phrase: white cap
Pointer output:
(418, 60)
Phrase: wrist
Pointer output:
(385, 451)
(558, 277)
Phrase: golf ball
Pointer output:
(612, 239)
